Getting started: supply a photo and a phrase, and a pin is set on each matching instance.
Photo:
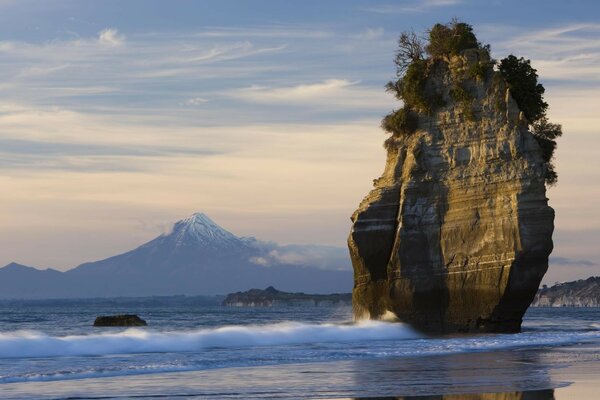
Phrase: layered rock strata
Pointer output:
(456, 234)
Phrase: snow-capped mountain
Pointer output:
(196, 257)
(200, 231)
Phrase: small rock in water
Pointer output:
(119, 320)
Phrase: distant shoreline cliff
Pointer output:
(273, 297)
(581, 293)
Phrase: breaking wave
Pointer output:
(32, 344)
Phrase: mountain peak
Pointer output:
(14, 265)
(200, 229)
(198, 217)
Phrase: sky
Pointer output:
(118, 118)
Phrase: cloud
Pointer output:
(417, 6)
(111, 37)
(569, 52)
(267, 31)
(571, 261)
(370, 34)
(330, 92)
(195, 101)
(293, 93)
(324, 257)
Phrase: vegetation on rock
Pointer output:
(415, 60)
(451, 39)
(401, 121)
(413, 70)
(522, 81)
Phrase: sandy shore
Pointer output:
(563, 372)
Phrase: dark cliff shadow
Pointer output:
(528, 268)
(418, 288)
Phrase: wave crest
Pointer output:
(27, 344)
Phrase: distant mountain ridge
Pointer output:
(198, 257)
(581, 293)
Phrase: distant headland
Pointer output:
(273, 297)
(581, 293)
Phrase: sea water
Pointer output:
(49, 349)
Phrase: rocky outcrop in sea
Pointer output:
(456, 233)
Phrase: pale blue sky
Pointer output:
(119, 117)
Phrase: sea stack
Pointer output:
(456, 233)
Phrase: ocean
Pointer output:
(50, 350)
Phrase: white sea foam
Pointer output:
(23, 344)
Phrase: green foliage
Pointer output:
(529, 95)
(524, 87)
(464, 98)
(412, 86)
(545, 133)
(395, 87)
(479, 70)
(545, 129)
(413, 70)
(450, 39)
(401, 121)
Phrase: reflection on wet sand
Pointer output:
(547, 394)
(497, 375)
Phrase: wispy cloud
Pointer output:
(413, 7)
(324, 257)
(571, 261)
(111, 37)
(370, 34)
(331, 92)
(195, 101)
(267, 31)
(566, 52)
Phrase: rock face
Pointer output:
(456, 234)
(120, 320)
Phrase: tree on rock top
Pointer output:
(454, 39)
(450, 39)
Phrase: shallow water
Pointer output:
(50, 350)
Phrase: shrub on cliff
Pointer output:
(400, 121)
(522, 80)
(524, 86)
(413, 69)
(416, 58)
(412, 86)
(450, 39)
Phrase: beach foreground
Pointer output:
(566, 373)
(240, 353)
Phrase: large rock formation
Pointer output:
(456, 234)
